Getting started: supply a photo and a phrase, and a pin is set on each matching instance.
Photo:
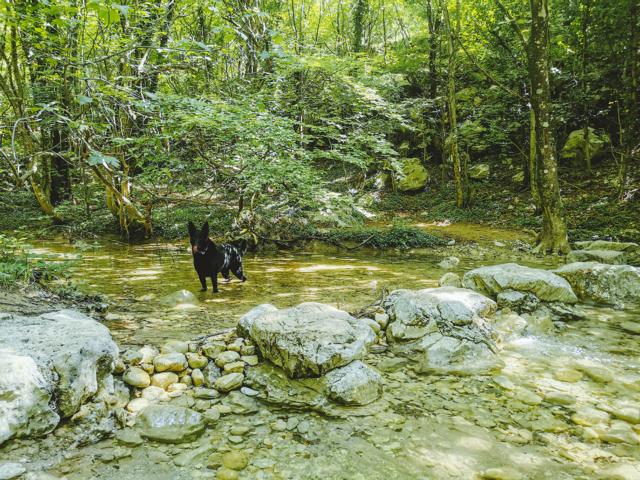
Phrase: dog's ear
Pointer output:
(193, 232)
(205, 230)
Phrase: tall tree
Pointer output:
(460, 175)
(553, 237)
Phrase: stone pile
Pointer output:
(205, 369)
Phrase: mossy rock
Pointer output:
(409, 174)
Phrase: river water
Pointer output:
(556, 411)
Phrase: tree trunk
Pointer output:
(359, 11)
(460, 176)
(553, 237)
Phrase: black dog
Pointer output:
(209, 258)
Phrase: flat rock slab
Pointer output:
(613, 257)
(170, 424)
(603, 283)
(52, 365)
(545, 285)
(307, 340)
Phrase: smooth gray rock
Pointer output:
(354, 384)
(307, 340)
(51, 365)
(603, 283)
(170, 423)
(545, 285)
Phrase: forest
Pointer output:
(285, 117)
(319, 239)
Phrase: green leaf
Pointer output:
(83, 99)
(99, 158)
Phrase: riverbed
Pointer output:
(533, 420)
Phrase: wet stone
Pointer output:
(213, 349)
(175, 346)
(559, 398)
(208, 393)
(128, 437)
(250, 392)
(136, 377)
(588, 416)
(501, 473)
(225, 473)
(195, 360)
(197, 377)
(227, 357)
(234, 367)
(170, 424)
(229, 382)
(251, 360)
(568, 375)
(172, 362)
(11, 470)
(235, 460)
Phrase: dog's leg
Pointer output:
(203, 282)
(240, 274)
(225, 275)
(214, 278)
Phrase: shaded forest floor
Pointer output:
(592, 205)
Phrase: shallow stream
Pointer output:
(535, 420)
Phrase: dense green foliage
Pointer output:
(271, 117)
(17, 266)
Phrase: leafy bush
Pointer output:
(18, 267)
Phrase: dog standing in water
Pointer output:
(209, 258)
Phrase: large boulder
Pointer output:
(170, 423)
(409, 174)
(544, 284)
(443, 330)
(603, 283)
(52, 364)
(416, 313)
(575, 148)
(307, 340)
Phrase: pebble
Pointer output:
(138, 404)
(528, 397)
(119, 367)
(176, 346)
(175, 387)
(239, 430)
(588, 417)
(212, 350)
(248, 350)
(378, 348)
(137, 377)
(234, 367)
(292, 423)
(154, 394)
(212, 415)
(597, 373)
(227, 357)
(303, 426)
(279, 425)
(197, 377)
(148, 353)
(504, 382)
(568, 375)
(171, 362)
(235, 460)
(208, 393)
(147, 367)
(235, 439)
(559, 398)
(11, 470)
(156, 456)
(249, 392)
(163, 380)
(236, 345)
(251, 360)
(225, 473)
(195, 360)
(382, 319)
(128, 437)
(229, 382)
